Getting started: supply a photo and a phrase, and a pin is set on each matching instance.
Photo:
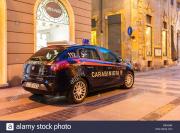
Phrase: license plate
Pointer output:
(32, 85)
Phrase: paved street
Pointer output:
(155, 96)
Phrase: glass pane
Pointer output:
(52, 23)
(89, 54)
(84, 53)
(164, 43)
(46, 54)
(93, 38)
(95, 55)
(107, 55)
(149, 41)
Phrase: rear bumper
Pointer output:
(43, 92)
(47, 86)
(46, 89)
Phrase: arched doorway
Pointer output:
(3, 45)
(54, 22)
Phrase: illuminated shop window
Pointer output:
(93, 37)
(52, 23)
(148, 41)
(164, 43)
(93, 32)
(148, 35)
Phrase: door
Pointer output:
(113, 66)
(92, 66)
(173, 47)
(114, 33)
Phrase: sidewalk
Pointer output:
(155, 71)
(12, 93)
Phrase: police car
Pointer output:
(74, 71)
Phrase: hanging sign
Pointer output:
(53, 9)
(130, 30)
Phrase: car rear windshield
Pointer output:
(46, 54)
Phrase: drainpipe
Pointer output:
(131, 3)
(178, 34)
(101, 15)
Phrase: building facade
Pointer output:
(142, 31)
(28, 25)
(178, 29)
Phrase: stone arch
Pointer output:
(70, 12)
(3, 44)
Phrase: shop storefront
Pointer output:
(52, 23)
(32, 24)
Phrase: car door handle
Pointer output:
(90, 67)
(109, 67)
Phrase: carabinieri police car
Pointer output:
(75, 70)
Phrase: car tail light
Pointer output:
(58, 66)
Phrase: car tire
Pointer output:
(128, 80)
(78, 92)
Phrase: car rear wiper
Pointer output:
(38, 58)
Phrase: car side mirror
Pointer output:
(120, 59)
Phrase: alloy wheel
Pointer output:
(129, 80)
(80, 91)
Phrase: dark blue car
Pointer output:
(73, 71)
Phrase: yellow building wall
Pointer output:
(112, 8)
(160, 11)
(133, 13)
(3, 45)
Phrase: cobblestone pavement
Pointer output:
(155, 96)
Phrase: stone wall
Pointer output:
(133, 14)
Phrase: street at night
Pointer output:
(155, 96)
(103, 66)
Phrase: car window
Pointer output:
(71, 53)
(108, 55)
(46, 54)
(89, 54)
(95, 55)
